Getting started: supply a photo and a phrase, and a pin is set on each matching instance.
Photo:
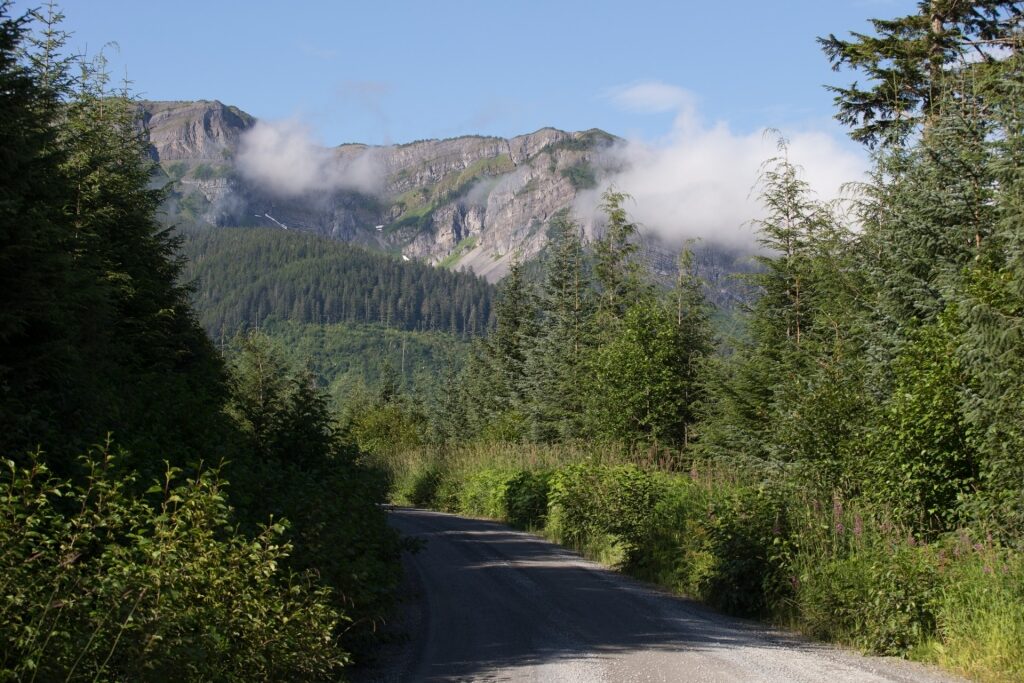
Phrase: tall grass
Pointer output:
(748, 543)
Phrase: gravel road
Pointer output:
(501, 605)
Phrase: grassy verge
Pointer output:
(835, 569)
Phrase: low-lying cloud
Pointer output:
(699, 181)
(283, 158)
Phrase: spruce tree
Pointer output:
(907, 59)
(616, 270)
(555, 364)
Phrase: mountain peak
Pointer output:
(200, 130)
(467, 202)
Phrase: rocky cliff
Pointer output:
(468, 202)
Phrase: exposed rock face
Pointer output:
(194, 131)
(468, 202)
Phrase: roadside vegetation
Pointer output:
(836, 568)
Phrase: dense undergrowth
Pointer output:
(834, 568)
(101, 583)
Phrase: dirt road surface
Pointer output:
(496, 604)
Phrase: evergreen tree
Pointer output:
(99, 335)
(501, 367)
(990, 307)
(555, 364)
(791, 393)
(639, 384)
(41, 290)
(907, 59)
(616, 270)
(693, 323)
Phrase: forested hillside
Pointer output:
(166, 513)
(247, 276)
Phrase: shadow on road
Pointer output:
(496, 601)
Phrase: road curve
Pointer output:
(502, 605)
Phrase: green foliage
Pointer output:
(349, 357)
(639, 389)
(616, 270)
(386, 426)
(979, 619)
(247, 275)
(99, 583)
(880, 598)
(526, 499)
(793, 390)
(908, 58)
(483, 493)
(96, 331)
(300, 466)
(923, 458)
(100, 579)
(555, 362)
(582, 356)
(839, 569)
(879, 369)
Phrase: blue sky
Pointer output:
(390, 71)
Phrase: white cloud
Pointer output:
(698, 181)
(283, 158)
(652, 97)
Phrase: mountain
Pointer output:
(470, 202)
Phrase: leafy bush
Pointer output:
(880, 598)
(483, 493)
(574, 512)
(526, 499)
(741, 531)
(605, 509)
(301, 467)
(98, 583)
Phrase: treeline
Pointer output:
(352, 359)
(124, 552)
(248, 275)
(875, 394)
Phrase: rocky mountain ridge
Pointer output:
(469, 202)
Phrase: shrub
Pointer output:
(526, 499)
(882, 599)
(846, 571)
(483, 492)
(98, 583)
(574, 510)
(742, 529)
